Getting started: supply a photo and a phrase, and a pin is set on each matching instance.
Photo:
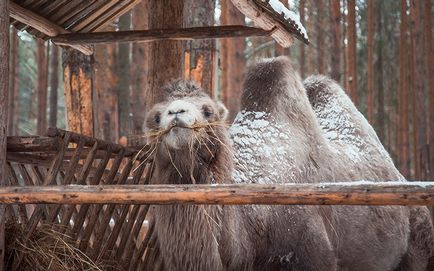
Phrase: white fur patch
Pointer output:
(190, 115)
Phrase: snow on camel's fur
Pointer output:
(278, 137)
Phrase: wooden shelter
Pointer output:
(120, 229)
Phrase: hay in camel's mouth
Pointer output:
(156, 137)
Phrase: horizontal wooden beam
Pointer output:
(356, 193)
(208, 32)
(43, 25)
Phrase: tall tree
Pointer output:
(402, 97)
(429, 48)
(335, 11)
(201, 52)
(13, 104)
(302, 58)
(310, 50)
(419, 110)
(320, 30)
(105, 98)
(123, 66)
(78, 88)
(351, 84)
(139, 69)
(370, 63)
(165, 58)
(54, 84)
(379, 74)
(233, 62)
(41, 86)
(4, 87)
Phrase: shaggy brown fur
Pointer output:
(278, 137)
(325, 93)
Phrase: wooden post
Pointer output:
(347, 193)
(4, 89)
(165, 59)
(77, 80)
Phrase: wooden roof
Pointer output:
(48, 18)
(72, 22)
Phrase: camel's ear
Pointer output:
(223, 111)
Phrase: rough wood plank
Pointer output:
(41, 24)
(205, 32)
(31, 144)
(365, 193)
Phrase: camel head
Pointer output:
(187, 128)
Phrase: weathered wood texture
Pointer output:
(4, 89)
(175, 33)
(42, 25)
(77, 82)
(302, 56)
(165, 58)
(266, 18)
(113, 232)
(396, 193)
(201, 53)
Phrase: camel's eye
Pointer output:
(157, 118)
(207, 111)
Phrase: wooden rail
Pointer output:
(207, 32)
(356, 193)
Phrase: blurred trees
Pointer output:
(379, 50)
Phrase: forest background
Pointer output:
(381, 51)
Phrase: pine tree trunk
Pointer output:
(419, 90)
(335, 11)
(41, 86)
(4, 89)
(165, 58)
(370, 63)
(310, 51)
(139, 72)
(351, 85)
(54, 84)
(429, 48)
(302, 58)
(379, 77)
(13, 104)
(123, 71)
(320, 30)
(106, 119)
(77, 82)
(402, 97)
(201, 52)
(233, 62)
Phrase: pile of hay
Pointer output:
(46, 249)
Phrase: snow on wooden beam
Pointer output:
(43, 25)
(208, 32)
(356, 193)
(272, 14)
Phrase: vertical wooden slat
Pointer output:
(22, 213)
(78, 224)
(106, 220)
(84, 242)
(137, 256)
(4, 87)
